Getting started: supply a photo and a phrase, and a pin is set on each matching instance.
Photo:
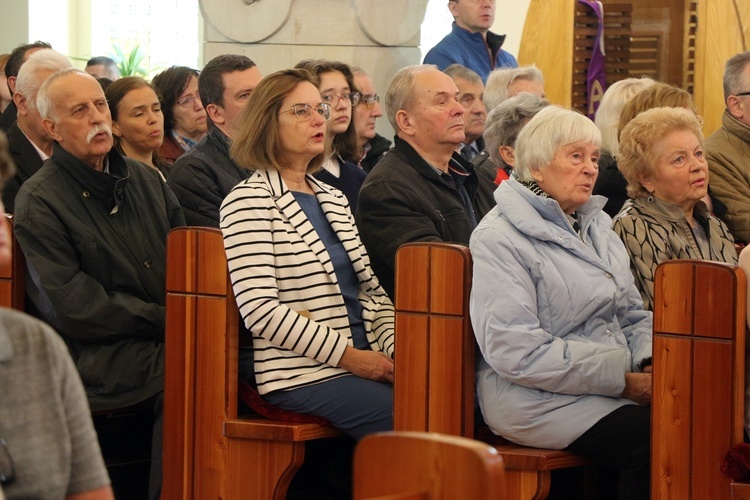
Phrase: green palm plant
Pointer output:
(130, 64)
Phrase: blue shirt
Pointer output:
(342, 265)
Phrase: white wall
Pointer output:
(15, 24)
(509, 20)
(510, 16)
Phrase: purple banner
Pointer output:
(596, 75)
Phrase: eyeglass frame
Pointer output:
(6, 477)
(741, 94)
(352, 97)
(324, 105)
(372, 98)
(189, 99)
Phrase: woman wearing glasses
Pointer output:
(322, 325)
(184, 117)
(339, 92)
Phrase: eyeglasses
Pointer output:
(7, 469)
(351, 98)
(369, 100)
(303, 112)
(741, 94)
(188, 100)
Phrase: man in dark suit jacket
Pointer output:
(204, 176)
(30, 145)
(17, 58)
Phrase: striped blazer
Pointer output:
(286, 288)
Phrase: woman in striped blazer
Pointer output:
(322, 325)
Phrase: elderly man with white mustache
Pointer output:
(93, 227)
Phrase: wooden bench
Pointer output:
(13, 274)
(434, 372)
(698, 377)
(440, 467)
(208, 451)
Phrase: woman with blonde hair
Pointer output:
(661, 156)
(610, 182)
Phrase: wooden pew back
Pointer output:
(208, 451)
(434, 389)
(13, 274)
(434, 371)
(440, 467)
(698, 377)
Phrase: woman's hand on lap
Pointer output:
(371, 365)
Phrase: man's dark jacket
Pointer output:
(27, 160)
(8, 117)
(378, 146)
(203, 177)
(95, 248)
(404, 199)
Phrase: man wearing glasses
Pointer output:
(728, 149)
(370, 144)
(202, 177)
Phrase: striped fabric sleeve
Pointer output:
(249, 222)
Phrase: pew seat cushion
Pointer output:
(249, 395)
(736, 464)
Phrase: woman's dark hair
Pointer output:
(344, 144)
(115, 92)
(169, 86)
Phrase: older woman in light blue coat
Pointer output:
(564, 337)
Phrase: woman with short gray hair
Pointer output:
(565, 341)
(503, 125)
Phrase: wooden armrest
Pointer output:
(740, 491)
(521, 458)
(274, 430)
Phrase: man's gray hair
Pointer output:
(400, 94)
(44, 101)
(505, 122)
(500, 80)
(734, 82)
(551, 128)
(458, 71)
(358, 70)
(29, 76)
(610, 109)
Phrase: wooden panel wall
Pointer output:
(682, 42)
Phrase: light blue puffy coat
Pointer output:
(557, 317)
